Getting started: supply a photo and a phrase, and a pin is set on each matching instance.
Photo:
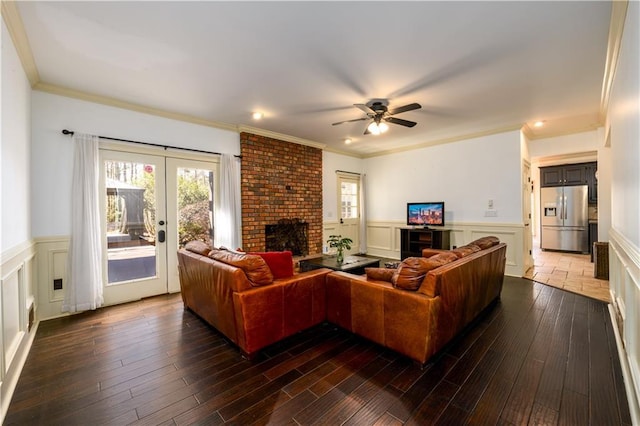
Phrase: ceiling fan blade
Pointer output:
(349, 121)
(405, 108)
(400, 121)
(364, 108)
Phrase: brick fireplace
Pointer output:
(280, 180)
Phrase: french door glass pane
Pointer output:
(131, 223)
(195, 205)
(349, 197)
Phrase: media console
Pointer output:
(413, 240)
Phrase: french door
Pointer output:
(191, 194)
(151, 205)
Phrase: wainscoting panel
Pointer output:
(52, 264)
(383, 239)
(624, 284)
(17, 301)
(12, 310)
(57, 271)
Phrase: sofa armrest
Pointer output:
(270, 313)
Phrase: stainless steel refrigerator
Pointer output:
(564, 218)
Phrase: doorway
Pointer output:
(151, 206)
(349, 204)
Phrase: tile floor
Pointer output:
(568, 271)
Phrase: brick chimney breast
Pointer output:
(279, 180)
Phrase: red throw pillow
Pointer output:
(280, 263)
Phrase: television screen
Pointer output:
(425, 214)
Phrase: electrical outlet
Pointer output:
(491, 213)
(57, 284)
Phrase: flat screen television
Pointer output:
(425, 214)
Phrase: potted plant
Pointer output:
(340, 243)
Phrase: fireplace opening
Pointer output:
(288, 234)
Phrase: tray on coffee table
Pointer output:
(352, 264)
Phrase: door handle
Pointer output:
(161, 236)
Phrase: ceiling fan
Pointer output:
(378, 112)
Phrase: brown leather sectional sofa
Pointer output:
(419, 323)
(240, 298)
(415, 310)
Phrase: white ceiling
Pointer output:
(474, 66)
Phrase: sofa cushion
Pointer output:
(254, 267)
(486, 242)
(280, 262)
(380, 274)
(444, 257)
(199, 247)
(412, 270)
(465, 250)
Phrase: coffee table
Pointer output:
(352, 264)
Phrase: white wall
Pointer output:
(583, 142)
(464, 174)
(624, 235)
(17, 289)
(53, 152)
(604, 186)
(625, 137)
(16, 134)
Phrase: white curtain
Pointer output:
(363, 216)
(227, 230)
(84, 287)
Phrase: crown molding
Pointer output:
(447, 140)
(588, 128)
(99, 99)
(342, 152)
(577, 157)
(280, 136)
(13, 21)
(616, 28)
(526, 130)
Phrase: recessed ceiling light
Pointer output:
(347, 141)
(257, 115)
(538, 124)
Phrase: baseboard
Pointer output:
(632, 398)
(14, 371)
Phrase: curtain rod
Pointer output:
(344, 171)
(165, 147)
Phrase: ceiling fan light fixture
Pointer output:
(377, 128)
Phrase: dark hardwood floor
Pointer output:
(541, 356)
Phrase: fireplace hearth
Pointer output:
(288, 234)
